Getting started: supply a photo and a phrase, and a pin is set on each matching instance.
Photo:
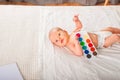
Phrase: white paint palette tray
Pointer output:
(86, 43)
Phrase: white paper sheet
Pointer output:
(10, 72)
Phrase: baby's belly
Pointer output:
(94, 39)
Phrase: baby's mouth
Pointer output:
(62, 40)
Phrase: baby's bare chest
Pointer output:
(74, 41)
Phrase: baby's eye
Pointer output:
(56, 41)
(59, 34)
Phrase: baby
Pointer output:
(103, 38)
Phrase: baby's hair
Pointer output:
(54, 29)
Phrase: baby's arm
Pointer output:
(76, 49)
(77, 23)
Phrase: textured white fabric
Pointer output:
(19, 36)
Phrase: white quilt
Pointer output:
(24, 40)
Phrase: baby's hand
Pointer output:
(75, 19)
(77, 36)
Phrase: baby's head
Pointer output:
(58, 37)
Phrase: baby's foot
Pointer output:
(119, 37)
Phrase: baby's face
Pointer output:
(59, 37)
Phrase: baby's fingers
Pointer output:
(75, 18)
(76, 15)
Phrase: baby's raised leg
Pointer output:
(111, 40)
(113, 30)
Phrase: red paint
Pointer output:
(90, 45)
(78, 35)
(92, 49)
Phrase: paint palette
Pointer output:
(88, 47)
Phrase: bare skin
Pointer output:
(61, 38)
(113, 38)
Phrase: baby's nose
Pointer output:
(59, 38)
